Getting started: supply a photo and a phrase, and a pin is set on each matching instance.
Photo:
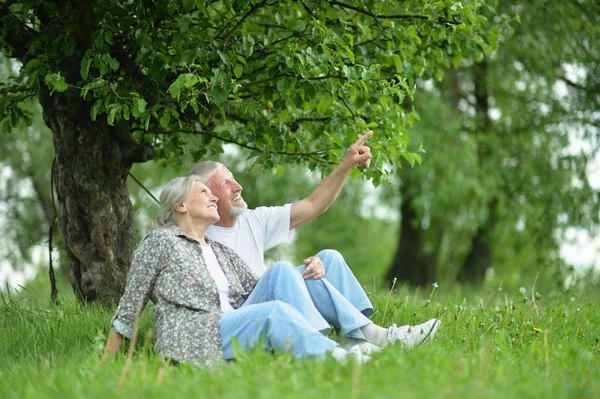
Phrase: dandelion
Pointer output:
(435, 285)
(537, 330)
(522, 290)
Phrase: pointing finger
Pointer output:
(364, 138)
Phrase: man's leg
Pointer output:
(341, 277)
(283, 282)
(340, 288)
(279, 324)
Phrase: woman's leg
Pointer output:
(280, 325)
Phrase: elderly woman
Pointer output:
(205, 296)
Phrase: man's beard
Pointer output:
(236, 211)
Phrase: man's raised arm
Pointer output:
(319, 200)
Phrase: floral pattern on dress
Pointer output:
(169, 269)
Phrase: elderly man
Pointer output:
(339, 297)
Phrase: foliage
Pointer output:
(283, 78)
(491, 344)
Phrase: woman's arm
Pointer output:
(112, 344)
(148, 261)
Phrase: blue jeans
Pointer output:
(338, 296)
(280, 325)
(280, 311)
(338, 299)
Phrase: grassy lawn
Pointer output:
(492, 344)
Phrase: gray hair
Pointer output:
(204, 170)
(173, 194)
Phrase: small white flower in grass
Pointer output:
(522, 290)
(435, 285)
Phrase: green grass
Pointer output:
(486, 347)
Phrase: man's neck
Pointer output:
(228, 221)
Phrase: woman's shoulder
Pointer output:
(159, 235)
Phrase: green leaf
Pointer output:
(417, 158)
(114, 64)
(397, 63)
(224, 57)
(409, 156)
(85, 67)
(56, 82)
(95, 108)
(165, 119)
(188, 5)
(139, 107)
(237, 70)
(111, 115)
(281, 85)
(184, 23)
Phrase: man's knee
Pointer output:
(331, 258)
(283, 267)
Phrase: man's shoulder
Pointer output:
(265, 211)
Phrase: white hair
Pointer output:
(173, 194)
(204, 170)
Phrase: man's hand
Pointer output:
(359, 153)
(314, 268)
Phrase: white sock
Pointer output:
(375, 334)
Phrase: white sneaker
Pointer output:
(411, 336)
(357, 354)
(365, 347)
(342, 355)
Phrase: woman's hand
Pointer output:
(113, 343)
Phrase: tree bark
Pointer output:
(96, 216)
(411, 264)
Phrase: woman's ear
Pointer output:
(181, 208)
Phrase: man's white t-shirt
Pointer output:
(219, 276)
(256, 231)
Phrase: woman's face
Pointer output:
(201, 204)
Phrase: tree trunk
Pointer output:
(480, 256)
(478, 260)
(96, 216)
(410, 263)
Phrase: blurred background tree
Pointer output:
(509, 140)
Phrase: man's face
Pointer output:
(229, 192)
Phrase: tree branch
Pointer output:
(242, 20)
(312, 154)
(438, 20)
(572, 83)
(16, 38)
(309, 18)
(348, 107)
(137, 153)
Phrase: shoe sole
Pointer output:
(431, 332)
